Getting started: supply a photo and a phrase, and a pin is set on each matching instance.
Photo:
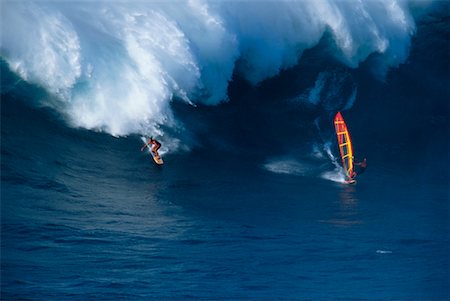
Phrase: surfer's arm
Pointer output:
(142, 149)
(357, 163)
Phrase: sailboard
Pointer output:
(345, 146)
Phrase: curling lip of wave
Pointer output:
(116, 66)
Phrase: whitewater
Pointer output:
(116, 67)
(250, 203)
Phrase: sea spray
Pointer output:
(116, 66)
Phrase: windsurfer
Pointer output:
(359, 168)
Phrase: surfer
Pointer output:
(360, 167)
(155, 145)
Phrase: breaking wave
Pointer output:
(116, 66)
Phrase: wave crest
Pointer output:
(116, 66)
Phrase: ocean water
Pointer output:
(250, 203)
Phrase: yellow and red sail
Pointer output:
(345, 144)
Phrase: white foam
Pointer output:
(384, 252)
(41, 46)
(291, 167)
(336, 175)
(115, 66)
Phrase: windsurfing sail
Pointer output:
(345, 144)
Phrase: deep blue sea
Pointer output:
(250, 203)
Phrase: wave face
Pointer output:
(256, 210)
(116, 67)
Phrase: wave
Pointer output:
(116, 67)
(332, 91)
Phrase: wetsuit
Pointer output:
(360, 168)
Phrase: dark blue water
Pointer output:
(248, 212)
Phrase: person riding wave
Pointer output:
(155, 145)
(359, 168)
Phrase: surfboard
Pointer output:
(157, 158)
(345, 146)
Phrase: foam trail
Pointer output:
(288, 166)
(338, 174)
(116, 66)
